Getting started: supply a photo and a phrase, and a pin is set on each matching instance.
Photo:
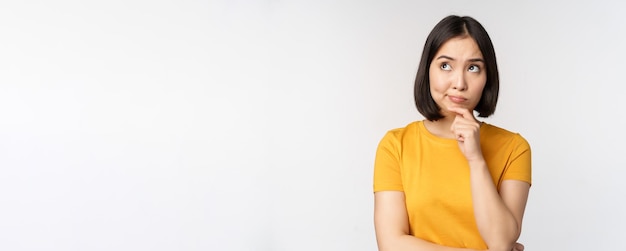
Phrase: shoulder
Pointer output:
(396, 137)
(503, 136)
(398, 134)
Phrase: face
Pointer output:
(457, 75)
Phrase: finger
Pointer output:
(459, 137)
(455, 128)
(463, 125)
(465, 113)
(460, 131)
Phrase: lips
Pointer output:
(457, 99)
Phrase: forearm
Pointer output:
(412, 243)
(496, 223)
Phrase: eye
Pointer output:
(473, 68)
(446, 67)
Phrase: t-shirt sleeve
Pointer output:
(519, 167)
(387, 176)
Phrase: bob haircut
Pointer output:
(451, 27)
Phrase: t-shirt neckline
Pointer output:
(445, 141)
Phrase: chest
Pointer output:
(437, 180)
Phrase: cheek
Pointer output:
(477, 89)
(437, 83)
(476, 81)
(437, 87)
(480, 84)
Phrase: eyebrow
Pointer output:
(452, 59)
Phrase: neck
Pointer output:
(441, 127)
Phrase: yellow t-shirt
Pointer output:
(434, 176)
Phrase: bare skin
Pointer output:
(457, 78)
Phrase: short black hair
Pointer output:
(450, 27)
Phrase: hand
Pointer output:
(517, 247)
(466, 130)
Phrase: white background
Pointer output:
(252, 125)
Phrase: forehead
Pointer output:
(460, 48)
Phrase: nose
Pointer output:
(459, 82)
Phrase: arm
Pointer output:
(498, 213)
(498, 216)
(392, 225)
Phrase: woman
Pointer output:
(450, 182)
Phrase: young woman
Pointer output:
(451, 182)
